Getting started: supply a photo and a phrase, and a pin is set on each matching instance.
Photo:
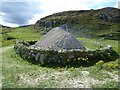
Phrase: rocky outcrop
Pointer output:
(73, 17)
(50, 24)
(109, 14)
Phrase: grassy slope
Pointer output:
(22, 33)
(94, 27)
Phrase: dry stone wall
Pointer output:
(51, 57)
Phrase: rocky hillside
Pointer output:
(84, 23)
(2, 26)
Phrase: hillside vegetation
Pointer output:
(102, 23)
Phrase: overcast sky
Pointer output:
(24, 12)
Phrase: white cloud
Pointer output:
(116, 5)
(7, 24)
(34, 19)
(53, 6)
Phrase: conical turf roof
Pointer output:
(58, 39)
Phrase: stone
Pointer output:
(59, 39)
(85, 73)
(42, 58)
(37, 57)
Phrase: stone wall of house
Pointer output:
(84, 58)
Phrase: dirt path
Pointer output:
(61, 79)
(4, 49)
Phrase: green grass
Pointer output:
(92, 43)
(97, 43)
(111, 84)
(22, 33)
(0, 40)
(19, 73)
